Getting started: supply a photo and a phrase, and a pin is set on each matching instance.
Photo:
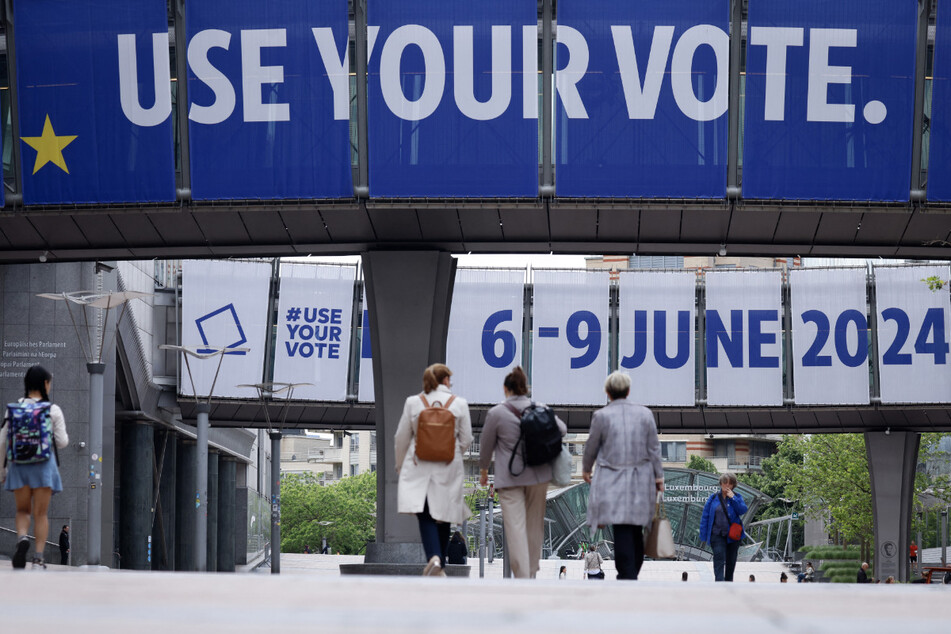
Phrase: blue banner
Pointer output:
(93, 83)
(453, 98)
(642, 91)
(939, 160)
(269, 99)
(829, 99)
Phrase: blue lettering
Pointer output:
(894, 355)
(336, 316)
(324, 315)
(491, 336)
(365, 349)
(292, 329)
(812, 358)
(732, 343)
(640, 342)
(938, 346)
(660, 339)
(310, 315)
(841, 338)
(758, 338)
(591, 342)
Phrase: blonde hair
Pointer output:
(618, 385)
(434, 375)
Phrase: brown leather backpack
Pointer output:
(436, 432)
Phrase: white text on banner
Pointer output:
(224, 305)
(365, 393)
(570, 337)
(314, 318)
(485, 331)
(912, 335)
(744, 338)
(657, 317)
(829, 336)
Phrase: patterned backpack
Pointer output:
(30, 432)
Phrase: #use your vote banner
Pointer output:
(225, 305)
(314, 318)
(829, 99)
(744, 337)
(829, 336)
(269, 99)
(912, 335)
(642, 95)
(95, 102)
(453, 98)
(657, 317)
(485, 331)
(570, 337)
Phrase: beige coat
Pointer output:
(441, 483)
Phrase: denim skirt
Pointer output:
(36, 476)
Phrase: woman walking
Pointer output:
(522, 496)
(624, 445)
(33, 484)
(432, 490)
(723, 509)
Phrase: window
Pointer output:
(673, 451)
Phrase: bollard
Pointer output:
(490, 519)
(482, 540)
(944, 538)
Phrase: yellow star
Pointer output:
(49, 147)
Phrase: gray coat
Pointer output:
(624, 443)
(500, 434)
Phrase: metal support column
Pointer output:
(361, 188)
(275, 502)
(227, 474)
(548, 79)
(736, 51)
(921, 64)
(181, 94)
(94, 501)
(10, 33)
(201, 489)
(211, 553)
(135, 496)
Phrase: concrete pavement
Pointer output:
(309, 597)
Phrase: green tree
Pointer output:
(344, 513)
(773, 481)
(701, 464)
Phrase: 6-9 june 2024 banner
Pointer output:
(939, 164)
(94, 101)
(269, 99)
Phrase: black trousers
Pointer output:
(628, 550)
(435, 536)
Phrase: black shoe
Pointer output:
(19, 556)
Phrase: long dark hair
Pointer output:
(35, 381)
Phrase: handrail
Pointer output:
(10, 530)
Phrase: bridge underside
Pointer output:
(288, 228)
(695, 421)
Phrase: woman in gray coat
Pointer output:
(624, 488)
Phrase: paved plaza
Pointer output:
(310, 596)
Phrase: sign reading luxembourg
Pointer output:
(94, 99)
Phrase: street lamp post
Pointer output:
(267, 391)
(93, 347)
(202, 426)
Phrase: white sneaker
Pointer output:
(433, 569)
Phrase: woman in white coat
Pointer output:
(433, 490)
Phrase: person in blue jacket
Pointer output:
(722, 509)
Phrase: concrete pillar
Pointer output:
(226, 513)
(892, 459)
(409, 295)
(185, 515)
(211, 553)
(163, 528)
(135, 496)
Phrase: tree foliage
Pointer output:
(344, 513)
(701, 464)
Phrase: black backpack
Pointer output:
(538, 435)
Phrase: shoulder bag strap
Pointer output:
(518, 442)
(422, 397)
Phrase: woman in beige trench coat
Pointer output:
(433, 490)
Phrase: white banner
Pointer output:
(830, 336)
(744, 338)
(225, 305)
(912, 335)
(570, 337)
(314, 319)
(485, 332)
(365, 393)
(657, 316)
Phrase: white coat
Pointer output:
(439, 482)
